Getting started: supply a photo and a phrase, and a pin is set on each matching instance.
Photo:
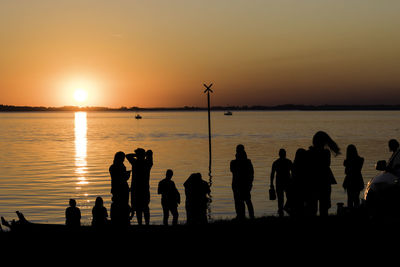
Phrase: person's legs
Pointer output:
(353, 199)
(175, 215)
(146, 212)
(324, 201)
(139, 216)
(202, 216)
(239, 206)
(250, 208)
(280, 198)
(166, 214)
(357, 199)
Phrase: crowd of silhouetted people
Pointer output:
(307, 181)
(197, 192)
(302, 187)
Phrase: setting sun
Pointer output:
(81, 90)
(80, 95)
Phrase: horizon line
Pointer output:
(5, 108)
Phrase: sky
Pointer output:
(159, 53)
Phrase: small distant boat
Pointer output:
(228, 113)
(138, 117)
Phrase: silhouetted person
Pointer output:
(15, 224)
(72, 214)
(141, 161)
(281, 167)
(196, 191)
(321, 176)
(119, 179)
(170, 198)
(299, 186)
(353, 182)
(242, 182)
(120, 190)
(393, 147)
(120, 214)
(99, 213)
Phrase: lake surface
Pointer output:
(47, 158)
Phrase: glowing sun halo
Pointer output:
(80, 95)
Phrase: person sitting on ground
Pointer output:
(99, 213)
(72, 214)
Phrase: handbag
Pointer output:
(272, 193)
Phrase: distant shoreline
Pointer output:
(289, 107)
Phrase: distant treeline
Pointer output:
(9, 108)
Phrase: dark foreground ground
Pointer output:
(263, 239)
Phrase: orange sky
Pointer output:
(159, 53)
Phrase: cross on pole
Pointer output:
(208, 90)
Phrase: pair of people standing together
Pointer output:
(142, 162)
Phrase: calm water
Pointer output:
(48, 158)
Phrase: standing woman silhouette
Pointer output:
(353, 182)
(320, 172)
(120, 190)
(119, 179)
(242, 183)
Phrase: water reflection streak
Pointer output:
(81, 147)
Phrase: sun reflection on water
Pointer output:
(81, 147)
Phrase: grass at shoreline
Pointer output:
(272, 225)
(264, 238)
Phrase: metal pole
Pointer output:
(208, 90)
(209, 130)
